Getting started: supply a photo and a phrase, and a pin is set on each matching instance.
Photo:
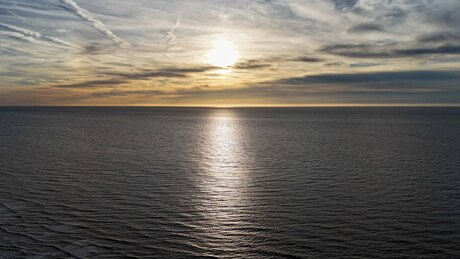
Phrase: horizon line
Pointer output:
(248, 106)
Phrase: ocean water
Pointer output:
(230, 183)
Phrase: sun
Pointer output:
(224, 53)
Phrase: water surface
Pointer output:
(261, 183)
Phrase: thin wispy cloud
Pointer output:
(36, 35)
(17, 16)
(171, 37)
(18, 35)
(59, 41)
(98, 25)
(25, 32)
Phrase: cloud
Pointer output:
(96, 48)
(343, 4)
(172, 72)
(364, 64)
(28, 34)
(366, 27)
(389, 87)
(373, 77)
(335, 64)
(118, 93)
(21, 30)
(251, 64)
(98, 25)
(92, 83)
(18, 35)
(444, 49)
(118, 78)
(59, 41)
(307, 59)
(171, 37)
(370, 51)
(439, 37)
(270, 61)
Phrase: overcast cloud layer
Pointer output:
(292, 52)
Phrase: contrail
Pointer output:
(26, 32)
(98, 25)
(19, 17)
(18, 35)
(59, 41)
(35, 35)
(170, 35)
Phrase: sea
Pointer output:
(158, 182)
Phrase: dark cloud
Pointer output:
(307, 59)
(366, 27)
(169, 72)
(270, 61)
(387, 14)
(446, 49)
(252, 64)
(364, 64)
(92, 83)
(97, 48)
(340, 47)
(93, 48)
(447, 14)
(335, 64)
(122, 78)
(369, 51)
(343, 4)
(116, 93)
(439, 37)
(373, 77)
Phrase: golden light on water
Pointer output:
(225, 180)
(226, 154)
(224, 161)
(223, 54)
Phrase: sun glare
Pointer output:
(224, 53)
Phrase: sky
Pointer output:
(230, 52)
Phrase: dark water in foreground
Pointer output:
(262, 183)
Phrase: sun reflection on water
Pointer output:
(225, 180)
(225, 164)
